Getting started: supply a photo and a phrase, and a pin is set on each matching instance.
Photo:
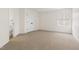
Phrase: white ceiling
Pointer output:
(46, 9)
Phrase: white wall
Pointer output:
(21, 19)
(4, 26)
(56, 20)
(75, 24)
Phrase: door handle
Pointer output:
(31, 23)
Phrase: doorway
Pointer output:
(11, 24)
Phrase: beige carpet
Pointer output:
(43, 40)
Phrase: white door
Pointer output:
(31, 20)
(29, 24)
(28, 21)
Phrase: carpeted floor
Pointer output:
(43, 40)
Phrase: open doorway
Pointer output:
(11, 24)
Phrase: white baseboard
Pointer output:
(54, 31)
(27, 32)
(3, 43)
(76, 37)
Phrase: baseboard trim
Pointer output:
(27, 32)
(42, 30)
(53, 31)
(76, 37)
(4, 43)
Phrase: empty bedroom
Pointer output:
(39, 28)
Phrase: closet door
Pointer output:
(29, 24)
(29, 21)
